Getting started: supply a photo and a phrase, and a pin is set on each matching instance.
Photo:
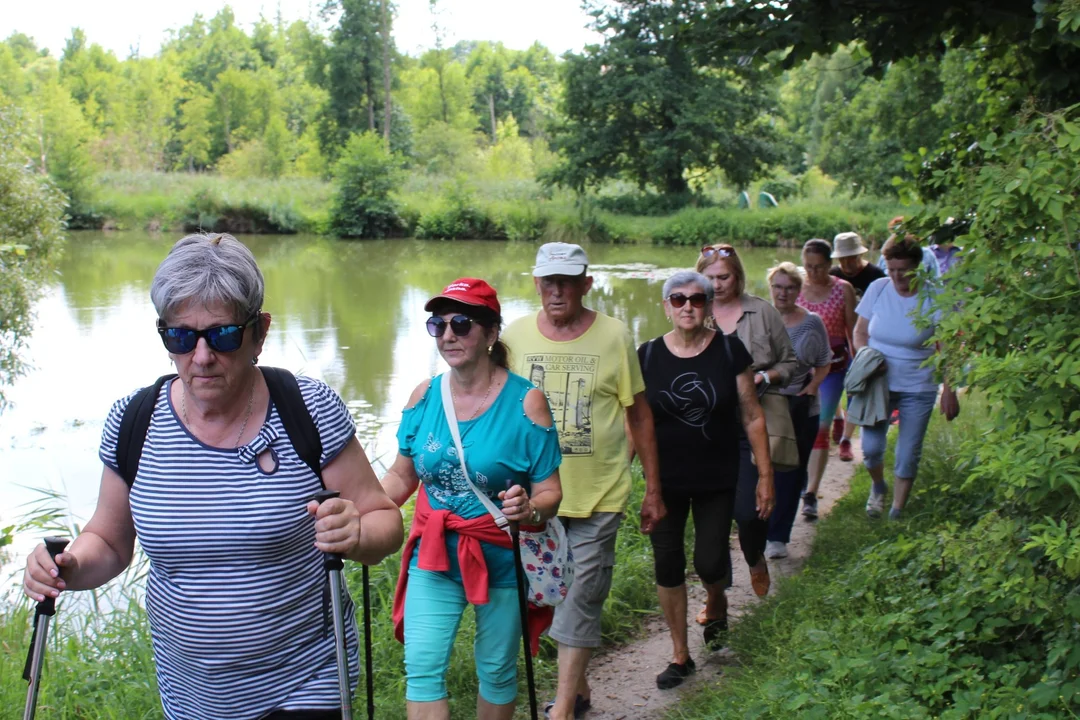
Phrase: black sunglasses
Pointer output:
(460, 324)
(709, 251)
(220, 338)
(697, 300)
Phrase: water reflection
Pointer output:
(348, 313)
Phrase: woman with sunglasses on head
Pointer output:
(833, 300)
(456, 555)
(814, 356)
(697, 381)
(221, 504)
(759, 327)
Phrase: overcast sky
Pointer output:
(120, 25)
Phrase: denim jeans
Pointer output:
(790, 484)
(915, 411)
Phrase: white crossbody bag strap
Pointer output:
(451, 420)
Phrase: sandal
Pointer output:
(760, 581)
(582, 705)
(675, 674)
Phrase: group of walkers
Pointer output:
(534, 425)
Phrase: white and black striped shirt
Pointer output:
(235, 589)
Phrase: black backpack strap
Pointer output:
(648, 354)
(133, 427)
(304, 435)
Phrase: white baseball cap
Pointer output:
(558, 258)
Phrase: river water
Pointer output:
(349, 313)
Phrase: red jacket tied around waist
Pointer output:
(431, 526)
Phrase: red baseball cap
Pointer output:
(468, 291)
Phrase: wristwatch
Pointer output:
(535, 518)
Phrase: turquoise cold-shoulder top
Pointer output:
(503, 447)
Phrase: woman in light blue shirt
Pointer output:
(886, 323)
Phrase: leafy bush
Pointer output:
(208, 212)
(782, 188)
(787, 224)
(650, 204)
(366, 175)
(526, 221)
(946, 614)
(1010, 319)
(458, 217)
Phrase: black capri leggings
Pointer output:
(713, 511)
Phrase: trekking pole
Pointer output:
(45, 610)
(369, 672)
(523, 604)
(334, 566)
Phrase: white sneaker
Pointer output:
(875, 504)
(774, 550)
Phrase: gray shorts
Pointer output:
(577, 618)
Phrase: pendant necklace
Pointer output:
(247, 415)
(453, 396)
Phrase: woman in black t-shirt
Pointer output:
(699, 383)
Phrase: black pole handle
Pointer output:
(324, 495)
(55, 546)
(331, 561)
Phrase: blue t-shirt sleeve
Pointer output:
(110, 435)
(411, 419)
(332, 419)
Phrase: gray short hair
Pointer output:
(210, 269)
(688, 277)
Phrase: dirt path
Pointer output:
(623, 679)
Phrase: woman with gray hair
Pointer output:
(698, 382)
(221, 503)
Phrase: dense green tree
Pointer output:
(865, 139)
(31, 232)
(355, 63)
(644, 107)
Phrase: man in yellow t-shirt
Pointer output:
(586, 364)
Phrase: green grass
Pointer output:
(942, 614)
(99, 662)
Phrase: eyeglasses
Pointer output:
(220, 338)
(697, 300)
(460, 324)
(709, 251)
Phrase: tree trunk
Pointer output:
(675, 183)
(228, 131)
(442, 93)
(388, 102)
(491, 109)
(369, 90)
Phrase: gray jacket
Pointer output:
(868, 388)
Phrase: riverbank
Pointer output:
(946, 613)
(457, 209)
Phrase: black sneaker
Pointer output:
(809, 505)
(675, 674)
(715, 633)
